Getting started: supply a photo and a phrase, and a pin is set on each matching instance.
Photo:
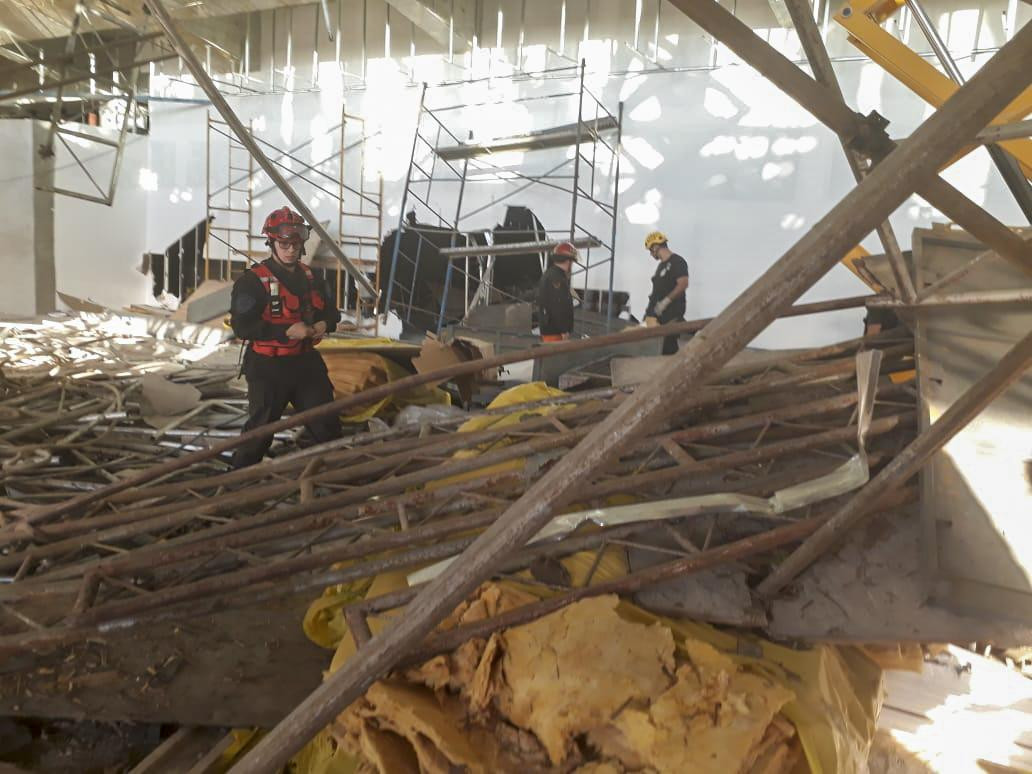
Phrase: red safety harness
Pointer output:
(285, 308)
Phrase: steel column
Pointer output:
(1009, 167)
(888, 185)
(820, 62)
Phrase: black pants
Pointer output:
(272, 383)
(670, 343)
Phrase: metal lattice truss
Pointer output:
(591, 445)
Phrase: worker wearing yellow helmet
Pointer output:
(669, 283)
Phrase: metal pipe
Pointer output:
(829, 108)
(326, 18)
(342, 405)
(514, 248)
(820, 63)
(160, 13)
(610, 311)
(576, 150)
(971, 108)
(1016, 296)
(404, 201)
(905, 464)
(1015, 131)
(1010, 169)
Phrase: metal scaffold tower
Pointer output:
(449, 169)
(235, 186)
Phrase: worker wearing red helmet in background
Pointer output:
(282, 310)
(554, 299)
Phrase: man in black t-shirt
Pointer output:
(669, 283)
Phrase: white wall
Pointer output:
(99, 249)
(731, 169)
(18, 296)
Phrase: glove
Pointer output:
(661, 305)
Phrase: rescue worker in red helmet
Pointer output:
(554, 298)
(281, 309)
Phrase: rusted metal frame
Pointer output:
(385, 454)
(703, 483)
(146, 520)
(218, 539)
(349, 497)
(344, 405)
(646, 457)
(817, 55)
(906, 464)
(242, 527)
(427, 546)
(594, 541)
(630, 484)
(1015, 296)
(1009, 167)
(245, 138)
(96, 622)
(412, 556)
(728, 553)
(857, 132)
(293, 462)
(355, 495)
(235, 500)
(731, 460)
(914, 161)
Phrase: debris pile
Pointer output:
(581, 689)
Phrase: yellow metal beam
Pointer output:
(860, 20)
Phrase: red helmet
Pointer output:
(565, 251)
(285, 224)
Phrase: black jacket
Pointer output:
(555, 303)
(250, 299)
(663, 283)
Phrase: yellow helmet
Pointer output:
(655, 238)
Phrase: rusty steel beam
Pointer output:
(905, 464)
(856, 131)
(915, 161)
(820, 63)
(23, 528)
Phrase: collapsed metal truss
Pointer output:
(896, 174)
(203, 536)
(590, 449)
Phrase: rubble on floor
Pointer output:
(545, 670)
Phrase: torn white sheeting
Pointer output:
(851, 475)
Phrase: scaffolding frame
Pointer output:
(119, 91)
(359, 209)
(581, 182)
